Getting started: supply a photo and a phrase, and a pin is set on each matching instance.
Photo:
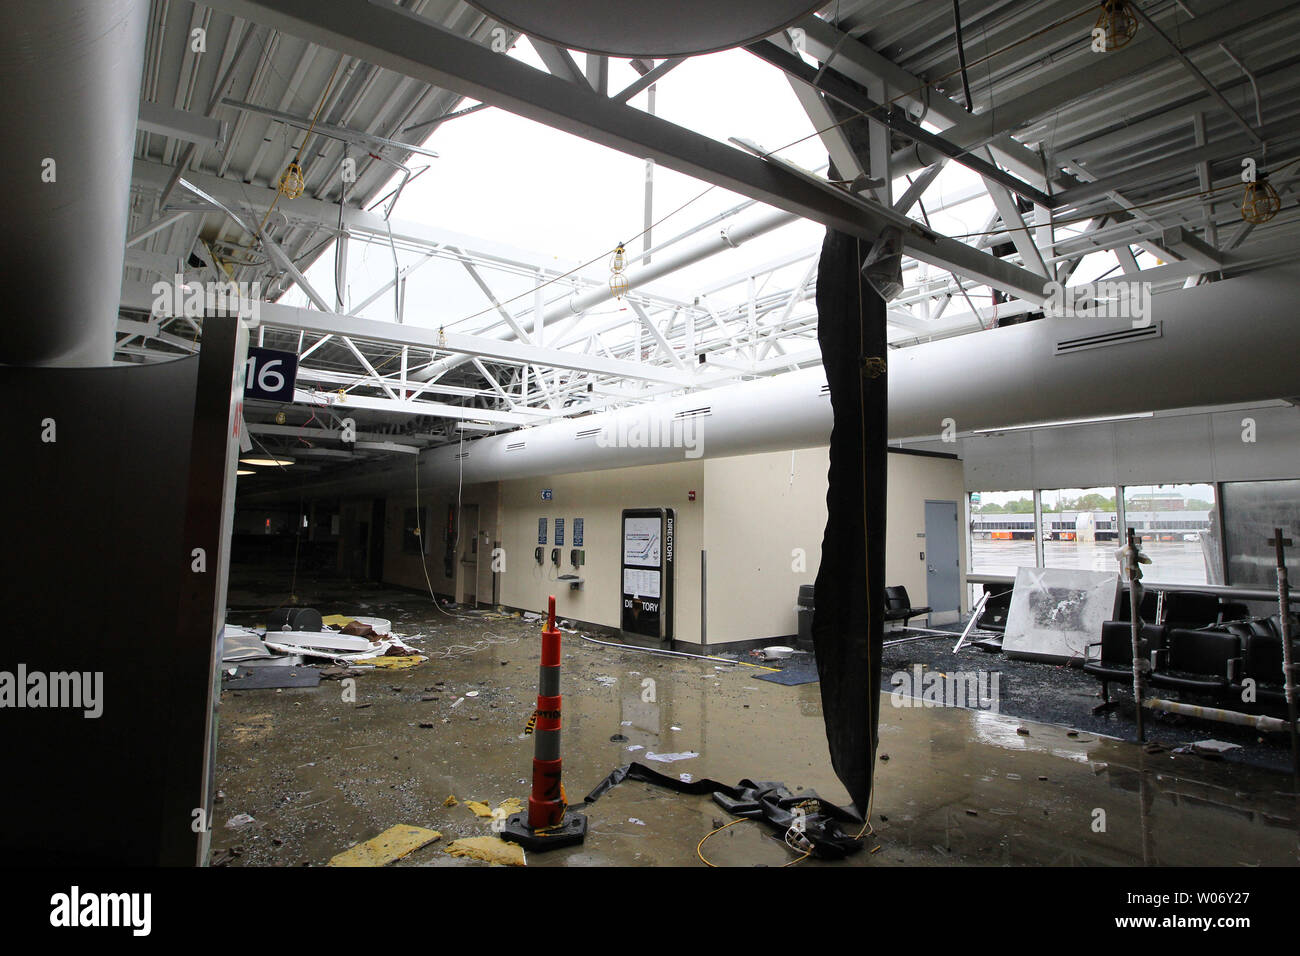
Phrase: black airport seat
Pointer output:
(1115, 662)
(1261, 661)
(1190, 609)
(898, 606)
(996, 608)
(1230, 611)
(1147, 610)
(1201, 662)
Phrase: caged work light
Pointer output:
(1261, 202)
(292, 182)
(1115, 26)
(617, 278)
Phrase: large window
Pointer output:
(1002, 531)
(1252, 510)
(1079, 528)
(1178, 525)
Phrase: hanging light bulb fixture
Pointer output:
(617, 278)
(1115, 26)
(1261, 202)
(292, 181)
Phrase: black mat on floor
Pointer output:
(272, 678)
(803, 671)
(765, 801)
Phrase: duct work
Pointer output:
(729, 237)
(69, 180)
(1052, 370)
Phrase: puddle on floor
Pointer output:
(319, 774)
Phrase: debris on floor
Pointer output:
(819, 821)
(671, 758)
(451, 801)
(1213, 747)
(395, 662)
(273, 678)
(393, 844)
(508, 806)
(489, 850)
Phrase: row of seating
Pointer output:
(1211, 662)
(898, 604)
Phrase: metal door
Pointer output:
(942, 561)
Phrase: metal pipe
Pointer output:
(1284, 625)
(704, 598)
(1258, 721)
(1222, 590)
(728, 238)
(71, 75)
(655, 650)
(1132, 557)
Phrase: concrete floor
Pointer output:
(954, 786)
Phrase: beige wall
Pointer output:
(405, 570)
(750, 513)
(764, 507)
(599, 498)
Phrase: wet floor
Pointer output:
(318, 773)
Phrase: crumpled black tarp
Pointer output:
(761, 800)
(847, 618)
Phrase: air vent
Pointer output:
(588, 433)
(515, 446)
(702, 412)
(1105, 339)
(825, 392)
(461, 456)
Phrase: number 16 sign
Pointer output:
(270, 374)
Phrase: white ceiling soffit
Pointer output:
(634, 28)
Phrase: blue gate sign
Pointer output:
(559, 532)
(541, 530)
(577, 532)
(270, 374)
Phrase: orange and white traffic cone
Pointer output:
(547, 825)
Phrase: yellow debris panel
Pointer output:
(337, 620)
(393, 844)
(395, 663)
(451, 801)
(489, 850)
(508, 806)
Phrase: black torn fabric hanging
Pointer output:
(847, 618)
(819, 821)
